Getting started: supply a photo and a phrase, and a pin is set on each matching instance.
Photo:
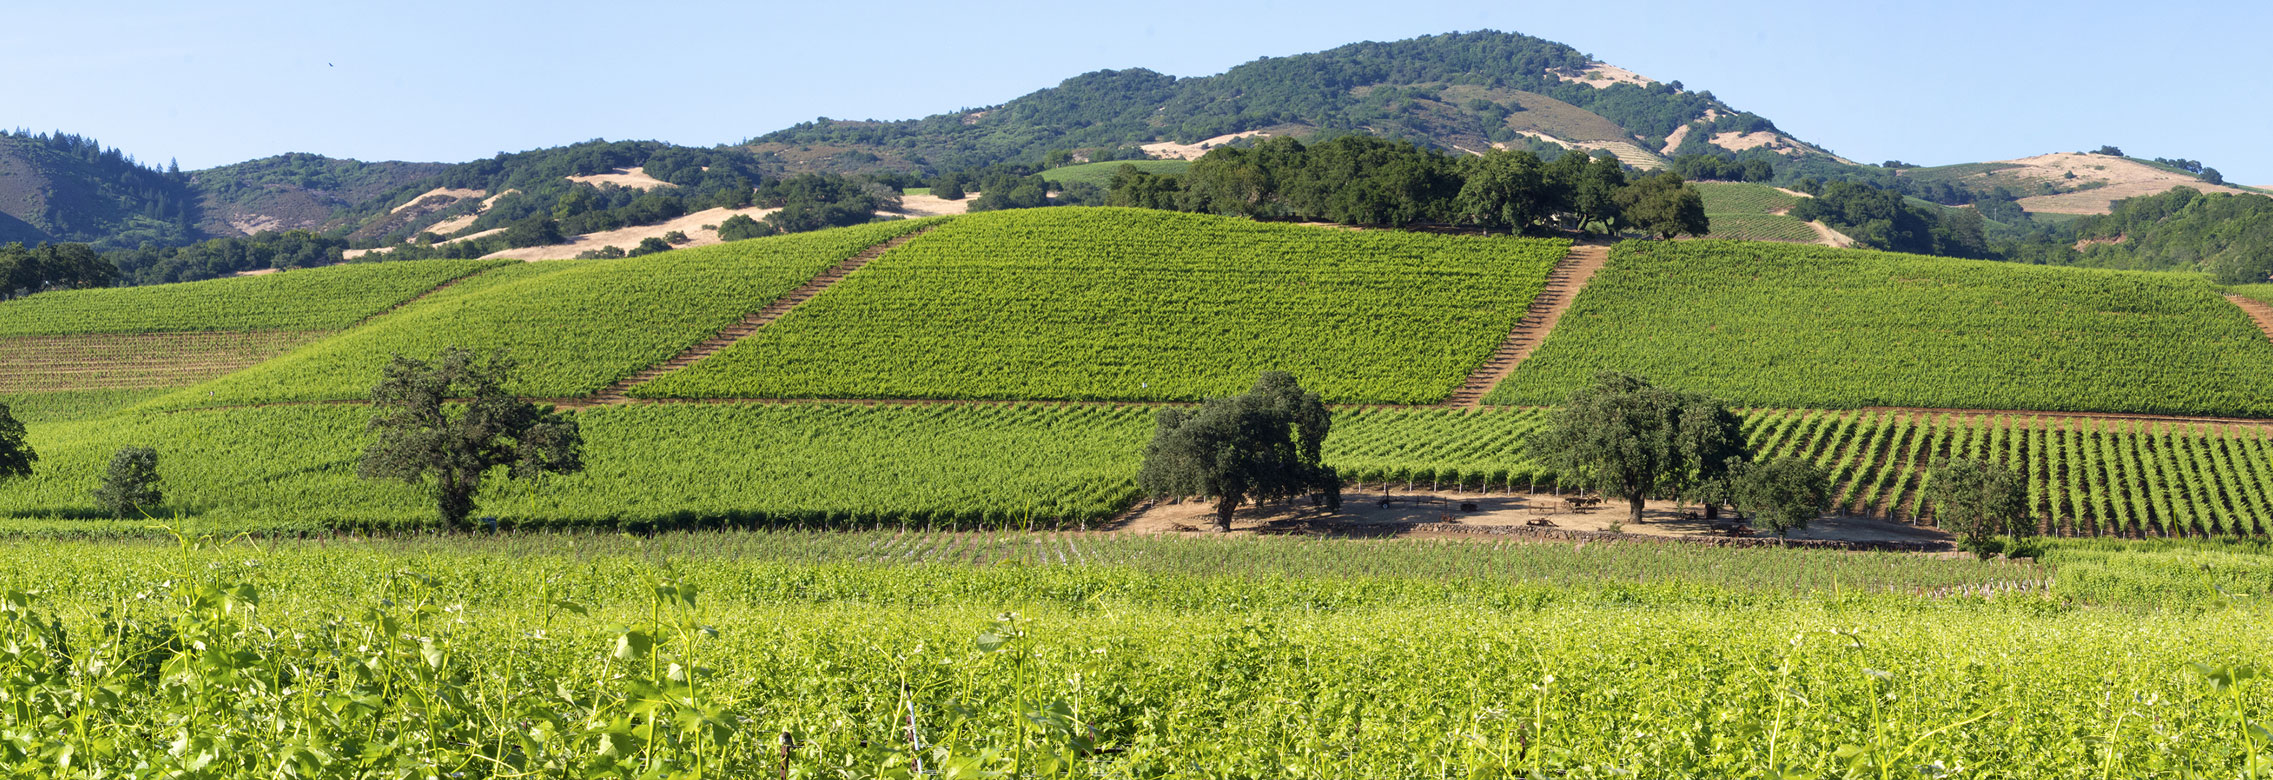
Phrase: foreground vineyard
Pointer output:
(1810, 327)
(882, 655)
(1080, 303)
(1018, 466)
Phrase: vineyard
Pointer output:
(573, 325)
(1130, 304)
(668, 465)
(111, 361)
(328, 298)
(960, 655)
(1811, 327)
(1770, 227)
(1738, 199)
(1060, 466)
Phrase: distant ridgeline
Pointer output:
(1437, 102)
(59, 187)
(1440, 89)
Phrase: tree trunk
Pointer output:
(1223, 508)
(1634, 515)
(1712, 510)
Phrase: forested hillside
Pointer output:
(1461, 90)
(64, 187)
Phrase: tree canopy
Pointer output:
(1265, 445)
(1624, 437)
(16, 454)
(1364, 180)
(1980, 501)
(1782, 495)
(451, 422)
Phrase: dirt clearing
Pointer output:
(1402, 513)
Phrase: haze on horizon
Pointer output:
(1927, 83)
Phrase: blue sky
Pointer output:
(1924, 82)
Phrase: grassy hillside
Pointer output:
(326, 298)
(1815, 327)
(1078, 303)
(1752, 212)
(1101, 173)
(574, 325)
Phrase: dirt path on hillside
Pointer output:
(2257, 311)
(751, 322)
(416, 298)
(1563, 286)
(1829, 237)
(1438, 513)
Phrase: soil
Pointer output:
(443, 192)
(1362, 514)
(1167, 150)
(1830, 237)
(934, 206)
(2257, 311)
(1563, 285)
(635, 178)
(628, 238)
(1673, 141)
(1601, 75)
(1737, 142)
(2124, 179)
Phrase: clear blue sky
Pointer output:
(1924, 82)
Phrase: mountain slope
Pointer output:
(62, 187)
(294, 191)
(1461, 90)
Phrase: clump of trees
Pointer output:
(224, 256)
(1361, 179)
(52, 267)
(1624, 437)
(1981, 501)
(1265, 445)
(130, 484)
(741, 226)
(16, 454)
(450, 422)
(1881, 219)
(814, 201)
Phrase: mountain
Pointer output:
(63, 187)
(1463, 93)
(295, 191)
(1460, 91)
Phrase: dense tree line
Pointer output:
(1881, 219)
(1358, 179)
(24, 271)
(100, 194)
(224, 256)
(2229, 236)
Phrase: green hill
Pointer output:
(1031, 306)
(1812, 327)
(1133, 304)
(1459, 90)
(573, 325)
